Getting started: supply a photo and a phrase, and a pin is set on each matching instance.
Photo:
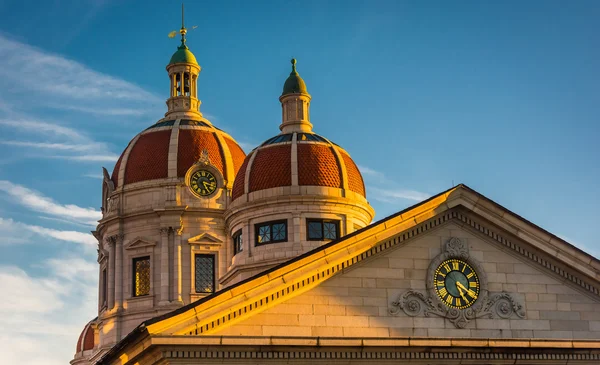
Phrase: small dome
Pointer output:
(318, 162)
(183, 55)
(86, 338)
(294, 83)
(169, 148)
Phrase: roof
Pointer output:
(183, 55)
(294, 83)
(459, 196)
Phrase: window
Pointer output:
(205, 273)
(322, 229)
(237, 242)
(104, 284)
(141, 276)
(271, 232)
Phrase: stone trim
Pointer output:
(228, 166)
(248, 169)
(173, 149)
(294, 159)
(258, 304)
(531, 256)
(123, 166)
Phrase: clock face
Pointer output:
(203, 182)
(456, 283)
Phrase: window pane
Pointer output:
(104, 284)
(141, 270)
(314, 231)
(237, 242)
(264, 234)
(279, 231)
(205, 273)
(330, 230)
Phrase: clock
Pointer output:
(203, 182)
(456, 283)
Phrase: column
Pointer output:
(177, 295)
(111, 273)
(118, 271)
(164, 266)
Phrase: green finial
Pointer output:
(294, 66)
(294, 83)
(183, 54)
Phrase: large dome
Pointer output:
(169, 148)
(317, 162)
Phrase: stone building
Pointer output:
(209, 255)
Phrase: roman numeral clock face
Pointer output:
(203, 182)
(456, 283)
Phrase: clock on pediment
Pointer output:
(457, 290)
(203, 179)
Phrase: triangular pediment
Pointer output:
(205, 239)
(459, 211)
(139, 242)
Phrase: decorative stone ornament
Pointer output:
(457, 291)
(203, 179)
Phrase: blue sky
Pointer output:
(501, 96)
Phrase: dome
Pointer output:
(169, 148)
(317, 162)
(294, 83)
(183, 55)
(86, 338)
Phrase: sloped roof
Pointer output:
(372, 240)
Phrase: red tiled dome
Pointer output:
(169, 148)
(318, 163)
(86, 338)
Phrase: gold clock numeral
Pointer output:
(203, 173)
(449, 299)
(447, 267)
(440, 283)
(458, 303)
(443, 292)
(470, 275)
(473, 284)
(464, 267)
(455, 265)
(442, 274)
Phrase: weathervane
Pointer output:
(183, 29)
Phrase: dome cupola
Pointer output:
(290, 187)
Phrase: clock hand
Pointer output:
(460, 290)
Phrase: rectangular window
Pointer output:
(237, 242)
(104, 287)
(271, 232)
(141, 276)
(205, 273)
(322, 229)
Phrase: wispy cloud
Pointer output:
(385, 190)
(57, 303)
(43, 204)
(13, 232)
(41, 127)
(55, 146)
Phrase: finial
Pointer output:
(293, 65)
(183, 31)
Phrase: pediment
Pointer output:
(566, 270)
(139, 242)
(205, 239)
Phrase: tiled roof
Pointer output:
(271, 168)
(318, 166)
(191, 144)
(86, 338)
(115, 174)
(148, 157)
(240, 179)
(237, 154)
(355, 180)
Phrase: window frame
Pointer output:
(322, 221)
(238, 248)
(133, 288)
(270, 224)
(214, 272)
(104, 287)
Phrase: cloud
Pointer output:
(385, 190)
(12, 232)
(40, 203)
(90, 158)
(55, 146)
(391, 195)
(47, 311)
(41, 127)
